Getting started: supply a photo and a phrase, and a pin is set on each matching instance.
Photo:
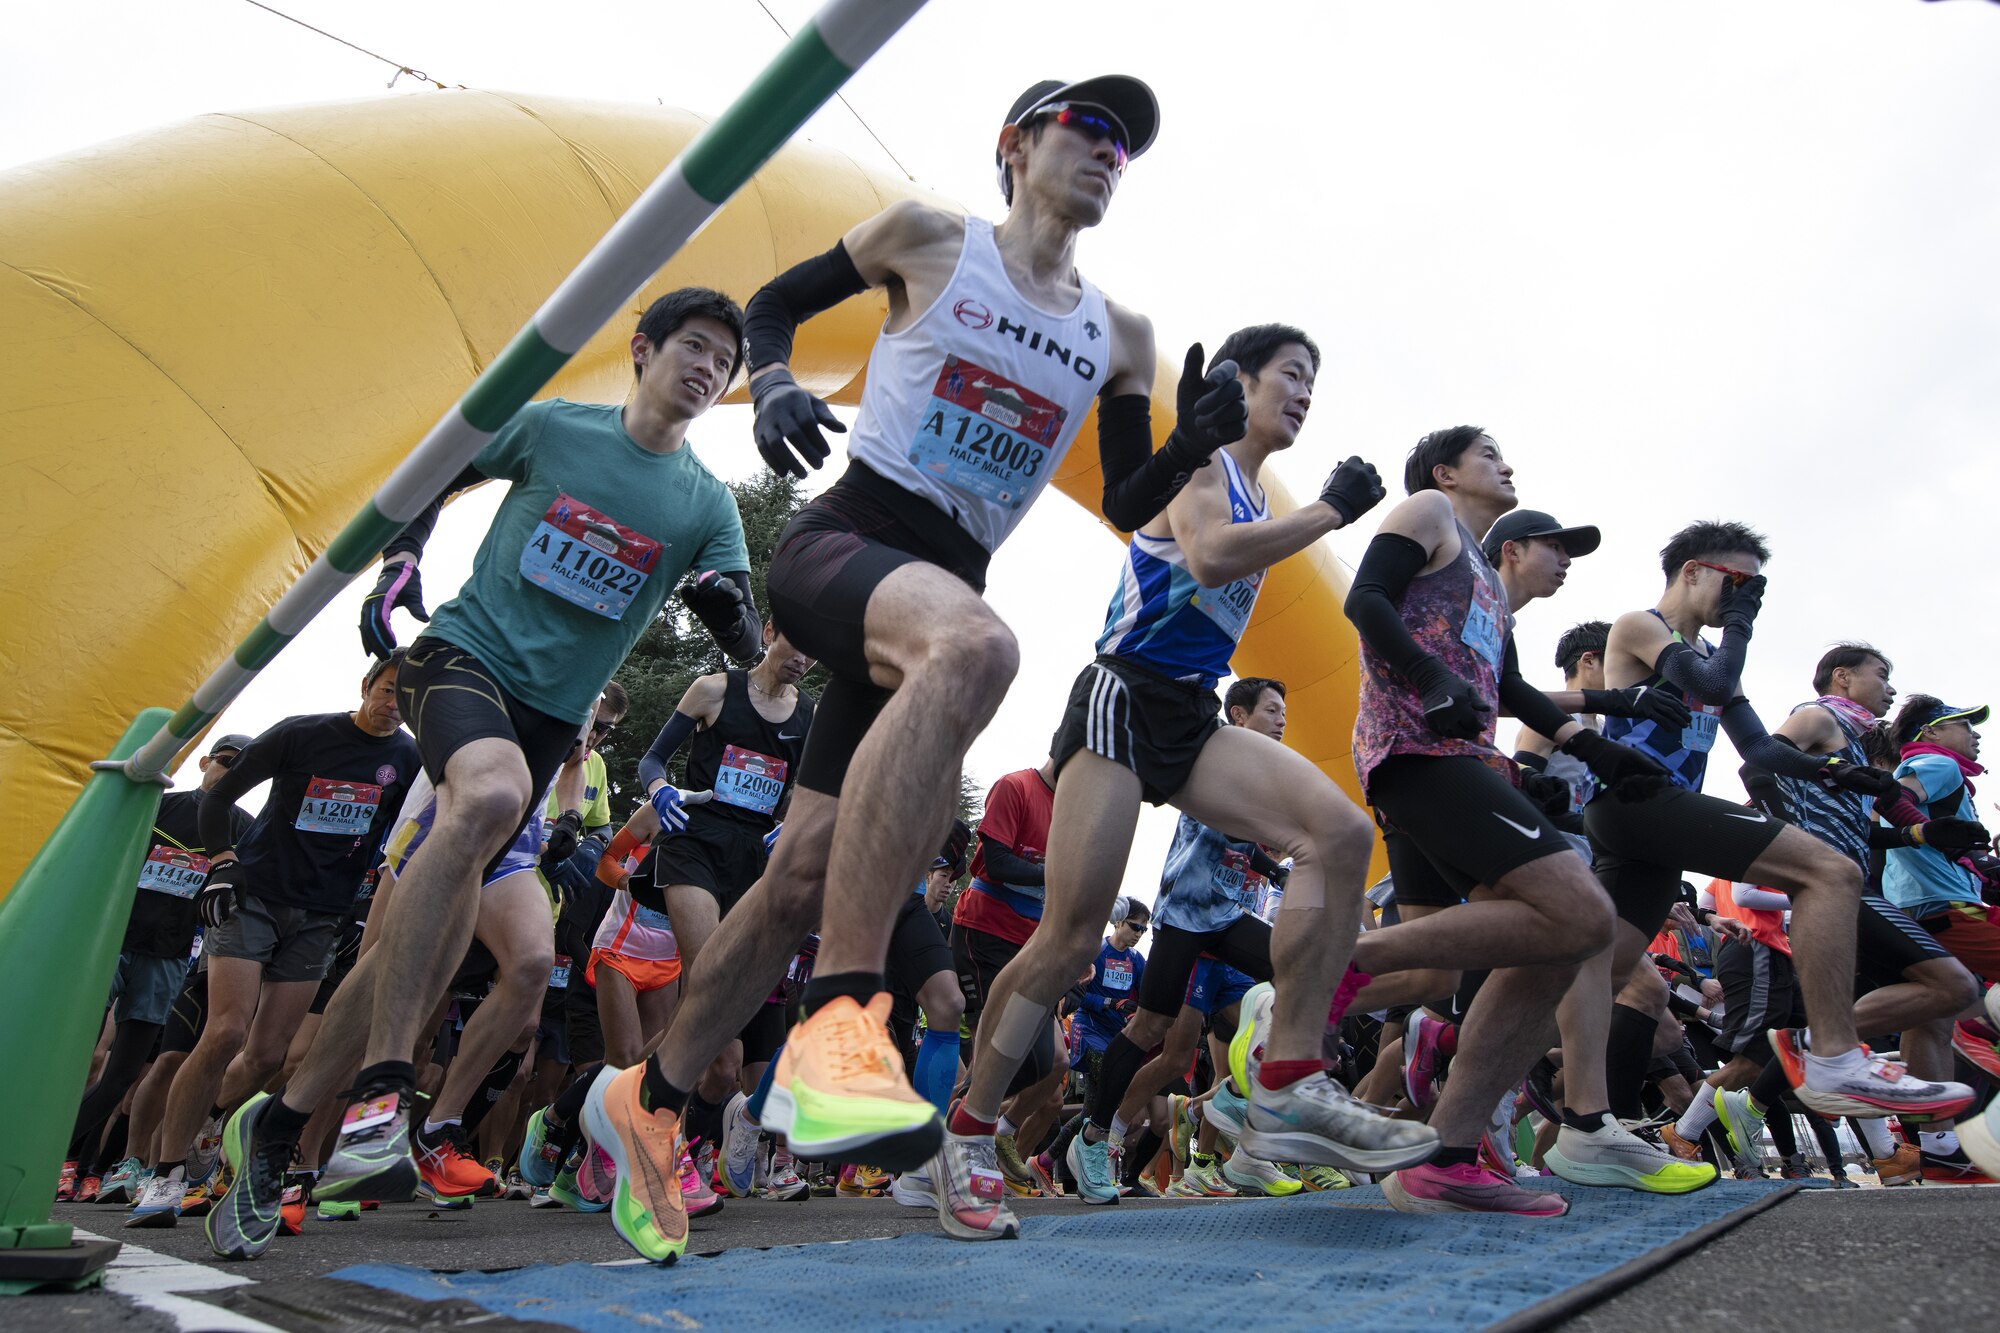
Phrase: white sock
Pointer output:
(1694, 1121)
(1850, 1062)
(1004, 1128)
(1118, 1128)
(431, 1127)
(1876, 1135)
(1944, 1142)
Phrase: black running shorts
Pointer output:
(828, 562)
(1887, 943)
(189, 1015)
(1644, 847)
(1759, 991)
(1142, 721)
(449, 699)
(720, 857)
(1170, 961)
(1469, 822)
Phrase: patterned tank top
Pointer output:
(1682, 751)
(1840, 819)
(1459, 615)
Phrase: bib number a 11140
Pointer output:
(985, 435)
(588, 558)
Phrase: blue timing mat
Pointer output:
(1341, 1260)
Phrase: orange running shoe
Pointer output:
(839, 1093)
(1680, 1147)
(1904, 1166)
(646, 1205)
(1978, 1042)
(446, 1165)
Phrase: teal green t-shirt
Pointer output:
(590, 540)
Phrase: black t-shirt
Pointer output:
(163, 918)
(334, 791)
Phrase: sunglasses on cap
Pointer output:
(1091, 122)
(1737, 578)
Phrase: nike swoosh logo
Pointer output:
(1759, 818)
(1522, 829)
(783, 737)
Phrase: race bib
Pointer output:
(1698, 736)
(986, 436)
(588, 559)
(333, 806)
(559, 974)
(1229, 607)
(749, 780)
(1118, 974)
(651, 919)
(1233, 876)
(1484, 631)
(171, 870)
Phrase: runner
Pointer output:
(608, 510)
(1142, 725)
(1713, 578)
(1438, 660)
(279, 898)
(153, 962)
(994, 350)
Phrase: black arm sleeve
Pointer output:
(1011, 867)
(1387, 567)
(1762, 750)
(410, 541)
(793, 297)
(653, 763)
(258, 762)
(1138, 482)
(1713, 679)
(1533, 708)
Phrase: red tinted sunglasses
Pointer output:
(1093, 123)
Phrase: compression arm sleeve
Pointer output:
(410, 541)
(1010, 867)
(1387, 567)
(793, 297)
(1760, 900)
(1138, 482)
(1712, 679)
(1763, 750)
(1530, 760)
(1534, 709)
(653, 765)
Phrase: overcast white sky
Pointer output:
(1690, 261)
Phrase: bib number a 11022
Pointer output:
(588, 559)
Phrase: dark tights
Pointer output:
(131, 1047)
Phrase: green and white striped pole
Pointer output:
(79, 887)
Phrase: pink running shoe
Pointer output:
(1421, 1034)
(1461, 1188)
(700, 1198)
(596, 1176)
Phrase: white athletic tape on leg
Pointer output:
(1020, 1023)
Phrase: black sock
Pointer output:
(110, 1151)
(387, 1076)
(564, 1119)
(1628, 1054)
(659, 1095)
(279, 1123)
(1829, 1143)
(1122, 1062)
(493, 1090)
(1779, 1122)
(1586, 1123)
(1139, 1154)
(703, 1122)
(1771, 1086)
(861, 987)
(1456, 1157)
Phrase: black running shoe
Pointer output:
(244, 1220)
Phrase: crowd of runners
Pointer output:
(446, 959)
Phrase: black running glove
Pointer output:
(398, 585)
(1837, 775)
(1740, 604)
(1640, 702)
(1953, 837)
(1209, 412)
(1550, 794)
(220, 894)
(1451, 706)
(788, 419)
(1626, 773)
(1354, 488)
(561, 841)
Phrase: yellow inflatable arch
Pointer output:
(217, 339)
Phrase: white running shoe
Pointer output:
(1251, 1174)
(969, 1190)
(1316, 1120)
(159, 1202)
(739, 1147)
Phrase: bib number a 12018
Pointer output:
(333, 806)
(171, 870)
(588, 559)
(987, 436)
(749, 780)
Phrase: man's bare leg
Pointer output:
(513, 924)
(1825, 889)
(234, 985)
